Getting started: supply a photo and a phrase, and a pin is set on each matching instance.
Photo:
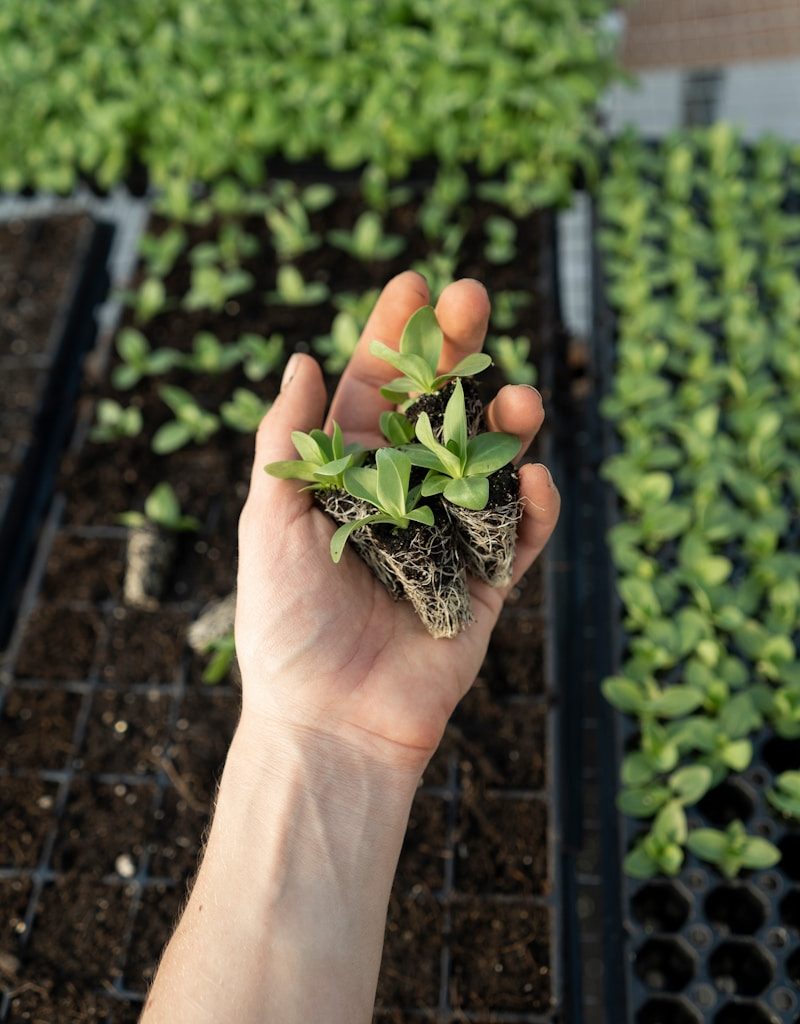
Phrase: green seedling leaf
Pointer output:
(394, 469)
(396, 428)
(487, 453)
(472, 493)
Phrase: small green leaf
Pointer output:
(624, 694)
(708, 843)
(170, 437)
(449, 462)
(339, 539)
(307, 448)
(394, 469)
(434, 483)
(396, 428)
(162, 505)
(293, 470)
(691, 783)
(470, 365)
(759, 854)
(676, 701)
(362, 483)
(472, 493)
(422, 336)
(639, 864)
(489, 452)
(454, 429)
(642, 802)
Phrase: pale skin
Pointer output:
(345, 699)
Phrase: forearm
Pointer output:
(286, 919)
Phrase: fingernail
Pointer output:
(536, 391)
(290, 371)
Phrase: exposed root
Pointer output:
(344, 508)
(149, 557)
(429, 568)
(488, 540)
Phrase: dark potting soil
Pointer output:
(435, 405)
(148, 719)
(26, 810)
(37, 729)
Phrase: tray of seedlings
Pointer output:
(52, 276)
(119, 695)
(698, 279)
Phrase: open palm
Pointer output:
(324, 647)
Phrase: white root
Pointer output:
(488, 540)
(150, 553)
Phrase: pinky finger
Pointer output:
(541, 505)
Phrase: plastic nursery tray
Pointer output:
(47, 375)
(696, 949)
(154, 803)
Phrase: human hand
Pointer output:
(323, 648)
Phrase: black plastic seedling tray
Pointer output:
(143, 900)
(696, 949)
(71, 334)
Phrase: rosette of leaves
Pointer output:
(151, 545)
(407, 543)
(243, 411)
(420, 388)
(338, 346)
(210, 355)
(322, 464)
(114, 422)
(139, 359)
(733, 849)
(191, 422)
(661, 850)
(479, 486)
(367, 240)
(785, 795)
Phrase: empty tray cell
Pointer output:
(36, 728)
(500, 958)
(126, 732)
(790, 856)
(145, 647)
(666, 965)
(501, 847)
(781, 755)
(661, 906)
(741, 967)
(59, 643)
(411, 971)
(745, 1013)
(422, 860)
(667, 1011)
(793, 968)
(27, 814)
(726, 803)
(156, 918)
(84, 569)
(736, 908)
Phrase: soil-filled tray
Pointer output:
(698, 947)
(52, 276)
(111, 745)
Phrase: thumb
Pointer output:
(299, 406)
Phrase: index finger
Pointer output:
(358, 403)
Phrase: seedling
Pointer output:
(379, 194)
(291, 229)
(161, 508)
(260, 355)
(460, 468)
(511, 355)
(420, 351)
(323, 460)
(244, 411)
(148, 300)
(685, 785)
(292, 290)
(191, 423)
(160, 252)
(139, 359)
(114, 422)
(223, 656)
(661, 850)
(501, 240)
(209, 355)
(151, 545)
(367, 242)
(386, 488)
(733, 849)
(785, 796)
(482, 502)
(212, 287)
(338, 346)
(232, 247)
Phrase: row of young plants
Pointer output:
(194, 89)
(701, 252)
